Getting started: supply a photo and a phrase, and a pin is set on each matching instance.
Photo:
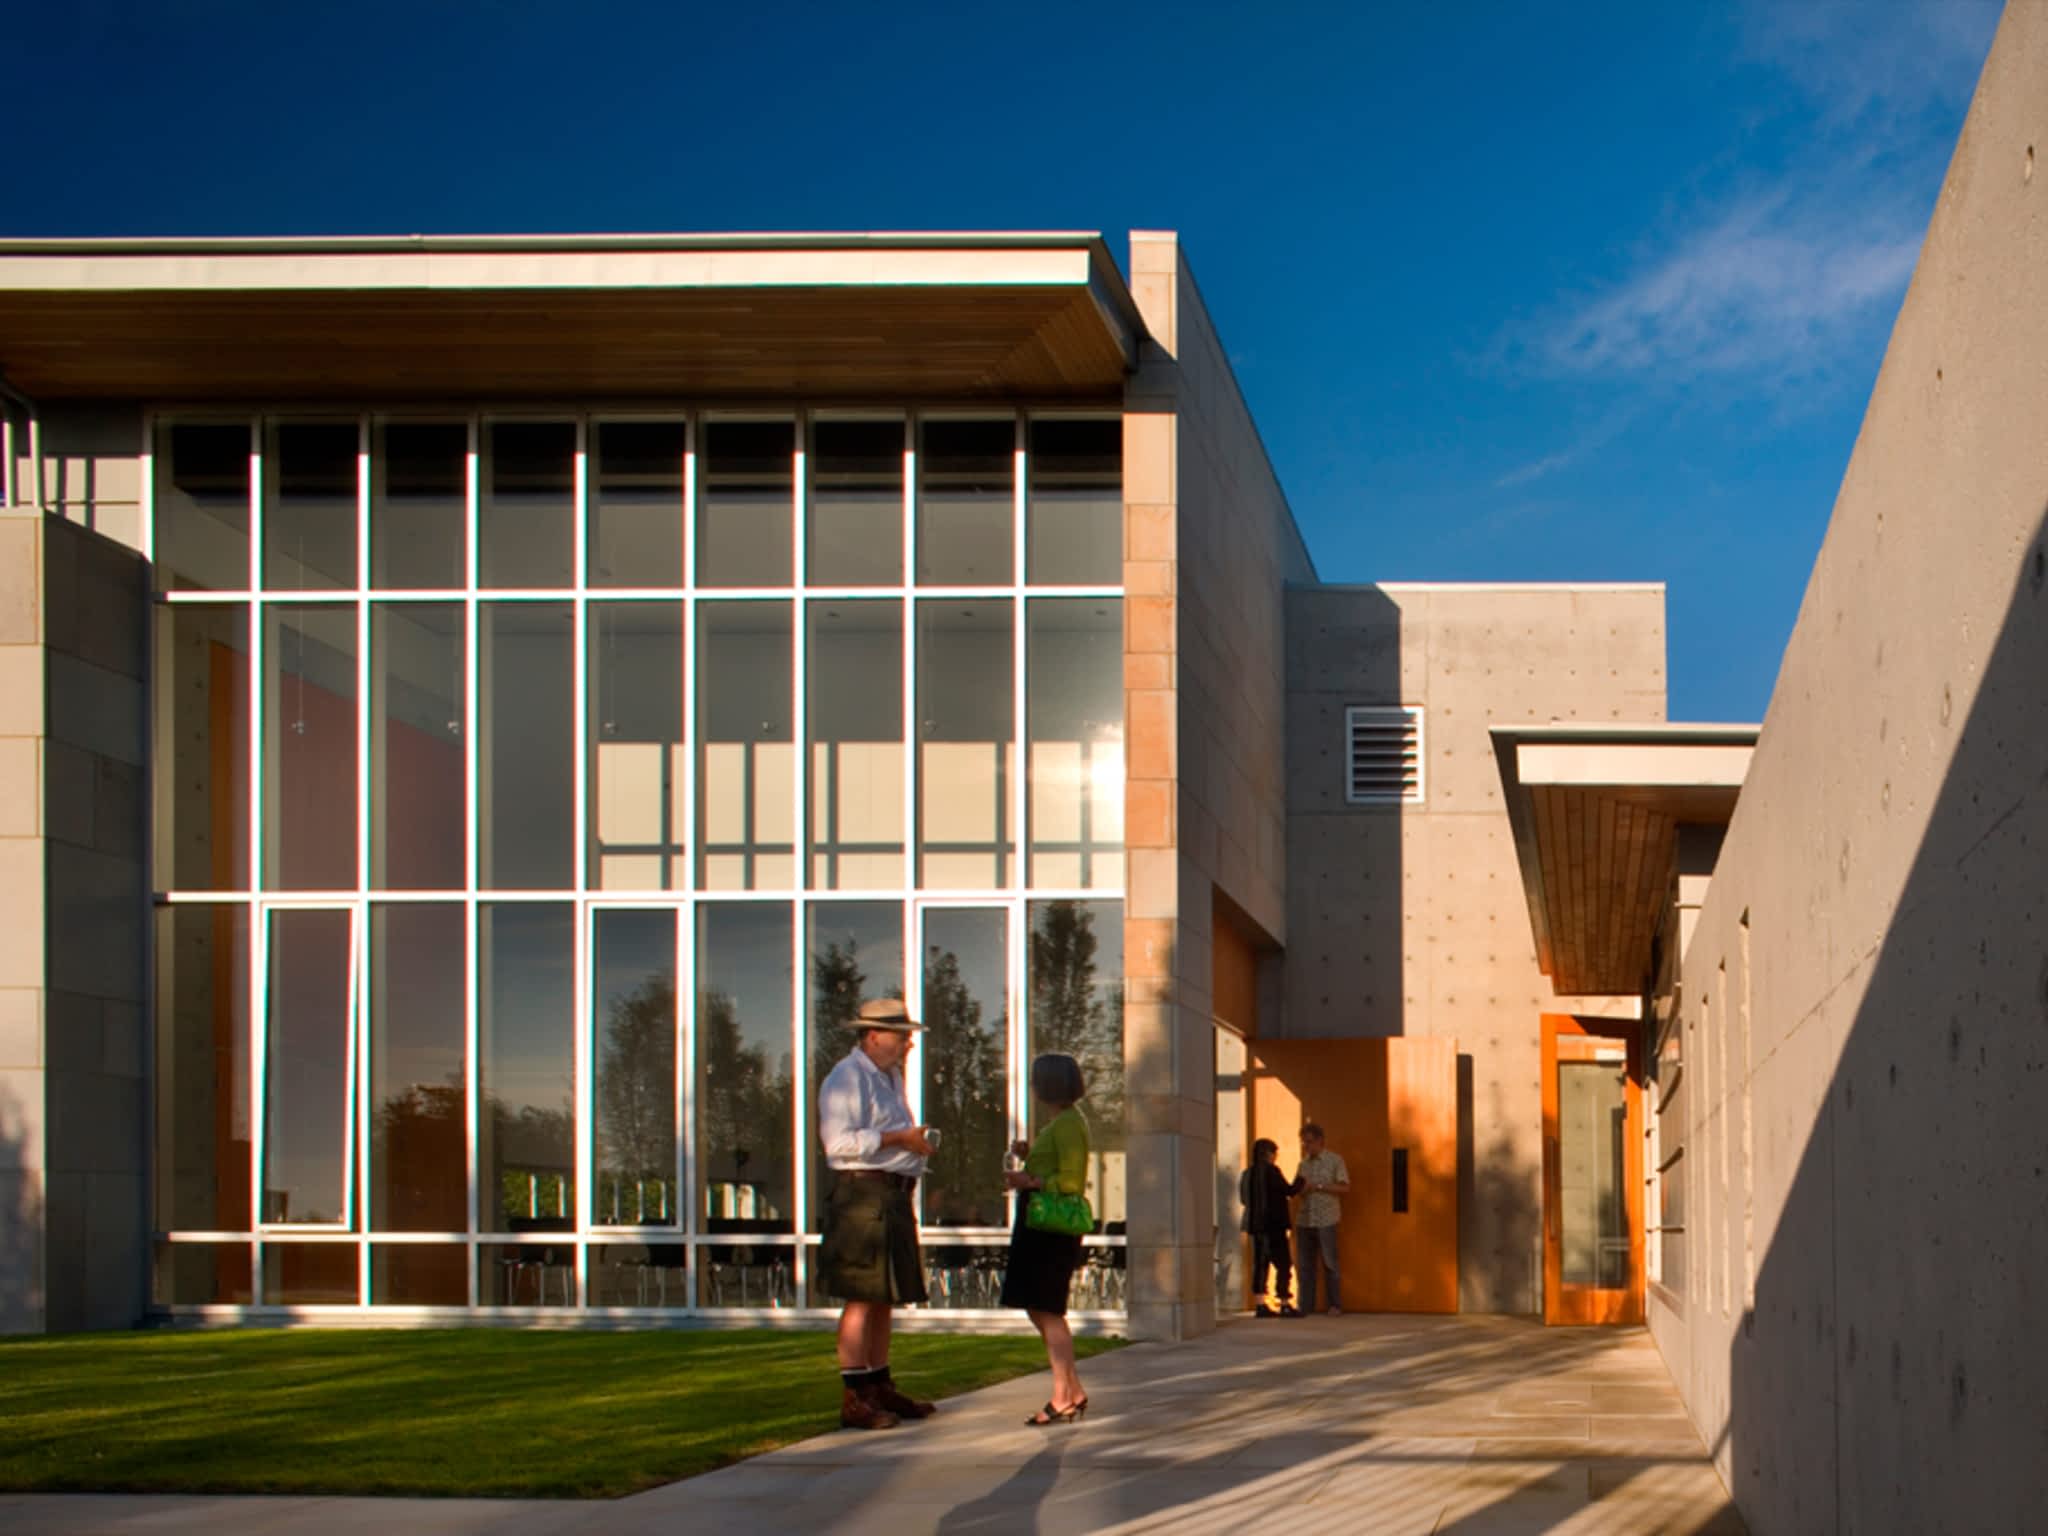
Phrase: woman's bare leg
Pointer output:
(1059, 1352)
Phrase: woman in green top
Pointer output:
(1042, 1264)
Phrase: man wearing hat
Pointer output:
(869, 1253)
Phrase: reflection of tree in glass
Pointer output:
(744, 1108)
(838, 988)
(533, 1152)
(419, 1159)
(1075, 1014)
(636, 1106)
(963, 1095)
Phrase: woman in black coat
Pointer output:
(1262, 1190)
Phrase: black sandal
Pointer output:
(1051, 1415)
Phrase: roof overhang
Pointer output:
(706, 318)
(1596, 811)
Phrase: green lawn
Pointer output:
(461, 1411)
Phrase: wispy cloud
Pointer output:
(1776, 282)
(1768, 287)
(1602, 432)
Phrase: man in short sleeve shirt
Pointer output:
(1319, 1179)
(868, 1254)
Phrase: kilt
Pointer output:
(869, 1248)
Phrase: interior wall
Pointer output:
(1865, 1002)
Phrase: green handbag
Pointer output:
(1071, 1215)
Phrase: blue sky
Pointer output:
(1516, 291)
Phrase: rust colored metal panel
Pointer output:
(1376, 1098)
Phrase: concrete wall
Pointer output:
(73, 655)
(1412, 920)
(1209, 546)
(1865, 994)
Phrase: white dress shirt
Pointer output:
(856, 1104)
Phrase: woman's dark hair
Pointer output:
(1056, 1079)
(1264, 1148)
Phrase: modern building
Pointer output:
(484, 711)
(475, 715)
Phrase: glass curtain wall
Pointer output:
(537, 797)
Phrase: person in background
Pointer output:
(868, 1253)
(1262, 1191)
(1040, 1272)
(1319, 1179)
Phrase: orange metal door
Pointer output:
(1390, 1109)
(1592, 1170)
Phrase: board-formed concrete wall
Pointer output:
(1857, 1326)
(1411, 920)
(1210, 545)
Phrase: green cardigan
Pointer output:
(1059, 1157)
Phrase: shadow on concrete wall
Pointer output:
(1500, 1266)
(1889, 1374)
(21, 1224)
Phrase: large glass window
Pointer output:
(526, 1066)
(419, 795)
(402, 1058)
(746, 491)
(419, 1098)
(526, 749)
(633, 1047)
(637, 807)
(967, 752)
(854, 711)
(853, 953)
(309, 1081)
(202, 505)
(309, 506)
(1077, 1010)
(526, 525)
(309, 746)
(966, 503)
(745, 1079)
(1075, 527)
(202, 1070)
(636, 504)
(202, 757)
(856, 514)
(746, 748)
(966, 1064)
(1076, 724)
(419, 505)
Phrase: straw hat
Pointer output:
(884, 1013)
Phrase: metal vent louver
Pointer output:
(1383, 755)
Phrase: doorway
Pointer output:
(1592, 1171)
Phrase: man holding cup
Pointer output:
(868, 1255)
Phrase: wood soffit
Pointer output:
(1597, 864)
(968, 324)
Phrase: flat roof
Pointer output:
(1595, 808)
(706, 318)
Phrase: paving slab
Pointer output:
(1389, 1426)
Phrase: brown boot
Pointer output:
(885, 1395)
(858, 1409)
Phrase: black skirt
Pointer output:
(1041, 1267)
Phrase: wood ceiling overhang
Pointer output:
(693, 319)
(1595, 812)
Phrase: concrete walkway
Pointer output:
(1397, 1425)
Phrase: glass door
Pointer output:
(1592, 1171)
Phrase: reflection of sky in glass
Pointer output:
(528, 1014)
(307, 1066)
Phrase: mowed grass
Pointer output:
(459, 1411)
